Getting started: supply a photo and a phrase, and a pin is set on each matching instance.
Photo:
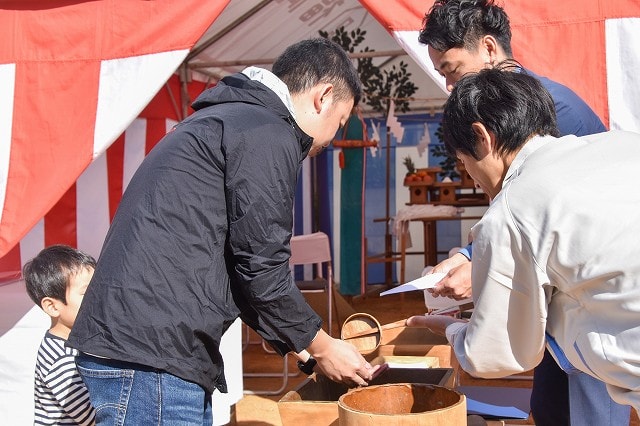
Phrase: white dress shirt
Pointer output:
(558, 252)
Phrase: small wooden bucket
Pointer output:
(402, 404)
(358, 323)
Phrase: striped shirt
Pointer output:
(60, 395)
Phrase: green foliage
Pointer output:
(448, 163)
(408, 162)
(348, 40)
(378, 85)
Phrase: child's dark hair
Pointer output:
(48, 274)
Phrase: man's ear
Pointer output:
(490, 45)
(50, 306)
(484, 139)
(323, 96)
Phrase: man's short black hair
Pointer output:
(48, 274)
(462, 23)
(512, 104)
(310, 62)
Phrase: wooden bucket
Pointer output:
(402, 404)
(358, 323)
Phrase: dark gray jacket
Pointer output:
(201, 236)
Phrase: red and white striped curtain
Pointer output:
(73, 76)
(82, 216)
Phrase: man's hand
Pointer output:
(340, 361)
(450, 263)
(436, 324)
(456, 284)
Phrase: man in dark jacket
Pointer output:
(201, 237)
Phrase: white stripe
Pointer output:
(126, 86)
(7, 88)
(32, 243)
(408, 40)
(623, 62)
(92, 207)
(135, 139)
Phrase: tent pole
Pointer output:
(184, 93)
(173, 101)
(263, 61)
(388, 250)
(388, 246)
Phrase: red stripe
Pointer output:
(579, 64)
(156, 129)
(10, 266)
(548, 12)
(398, 15)
(105, 29)
(60, 222)
(47, 154)
(57, 47)
(115, 173)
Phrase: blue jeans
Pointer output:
(561, 399)
(132, 394)
(590, 403)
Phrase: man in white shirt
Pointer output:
(555, 260)
(466, 36)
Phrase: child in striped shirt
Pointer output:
(56, 280)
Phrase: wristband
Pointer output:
(307, 367)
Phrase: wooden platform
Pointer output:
(258, 410)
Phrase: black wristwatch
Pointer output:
(307, 367)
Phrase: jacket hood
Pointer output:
(239, 88)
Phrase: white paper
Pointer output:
(428, 281)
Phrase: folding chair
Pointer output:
(285, 374)
(314, 249)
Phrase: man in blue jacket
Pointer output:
(466, 36)
(201, 237)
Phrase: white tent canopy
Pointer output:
(255, 32)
